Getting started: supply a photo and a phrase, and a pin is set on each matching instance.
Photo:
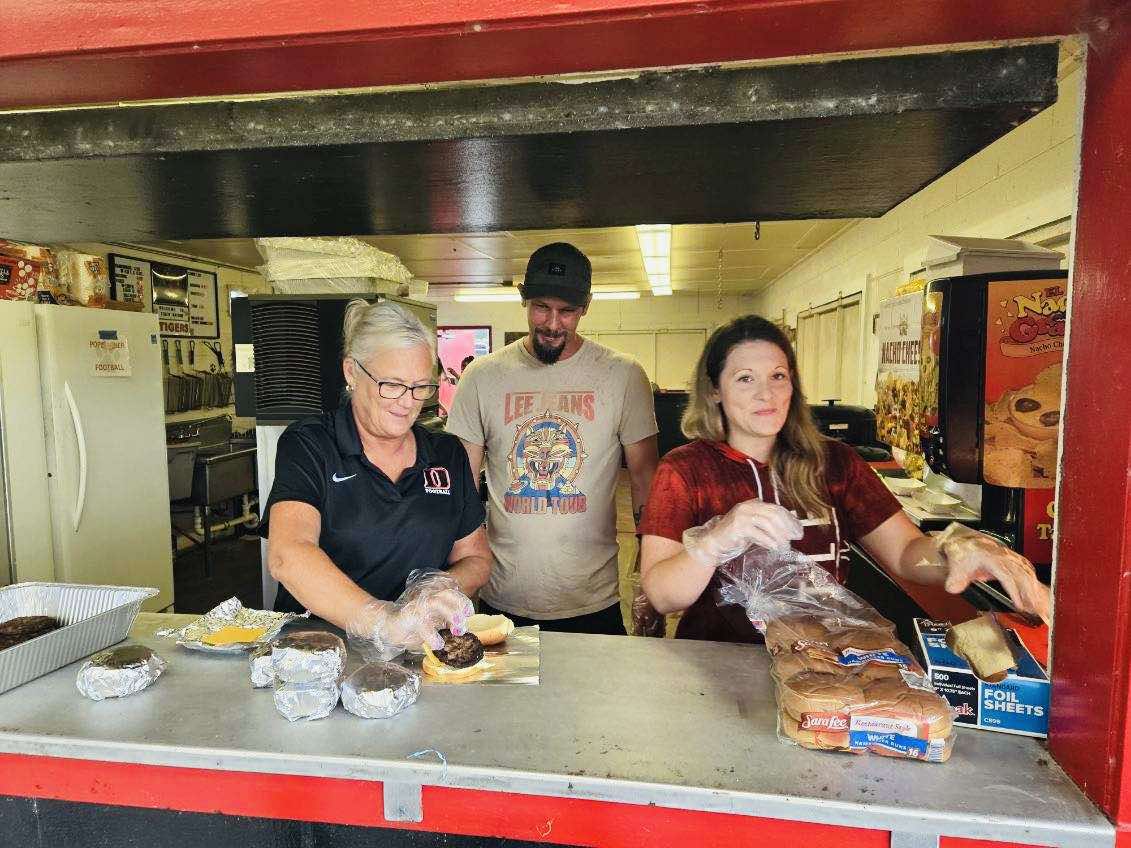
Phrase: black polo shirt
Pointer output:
(374, 530)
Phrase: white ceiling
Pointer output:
(746, 265)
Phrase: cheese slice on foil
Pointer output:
(232, 635)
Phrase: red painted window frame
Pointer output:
(71, 51)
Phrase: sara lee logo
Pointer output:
(833, 722)
(1039, 314)
(437, 481)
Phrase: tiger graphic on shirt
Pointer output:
(544, 461)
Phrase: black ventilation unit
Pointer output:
(289, 353)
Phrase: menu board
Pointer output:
(186, 300)
(897, 380)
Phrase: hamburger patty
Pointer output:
(460, 651)
(17, 630)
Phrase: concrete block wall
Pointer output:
(1022, 186)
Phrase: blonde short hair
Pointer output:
(372, 327)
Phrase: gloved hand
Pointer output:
(970, 556)
(431, 601)
(749, 523)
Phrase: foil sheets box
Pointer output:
(1019, 704)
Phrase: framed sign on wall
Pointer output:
(186, 300)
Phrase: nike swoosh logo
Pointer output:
(338, 479)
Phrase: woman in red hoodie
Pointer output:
(759, 462)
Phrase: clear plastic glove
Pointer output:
(750, 523)
(970, 556)
(432, 601)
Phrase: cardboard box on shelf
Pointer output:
(1018, 704)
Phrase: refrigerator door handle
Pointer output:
(80, 437)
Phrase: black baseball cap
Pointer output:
(558, 270)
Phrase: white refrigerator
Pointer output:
(85, 494)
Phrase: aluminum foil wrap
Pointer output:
(260, 666)
(308, 701)
(120, 671)
(309, 656)
(380, 690)
(230, 613)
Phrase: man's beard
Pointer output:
(547, 355)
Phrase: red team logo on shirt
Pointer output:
(437, 481)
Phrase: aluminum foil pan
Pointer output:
(118, 672)
(307, 701)
(231, 613)
(93, 618)
(309, 656)
(380, 690)
(260, 667)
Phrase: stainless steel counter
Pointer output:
(638, 721)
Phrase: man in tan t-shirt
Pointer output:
(553, 413)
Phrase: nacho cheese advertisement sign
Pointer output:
(897, 380)
(1024, 347)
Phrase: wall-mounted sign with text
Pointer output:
(184, 299)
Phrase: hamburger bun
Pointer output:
(782, 632)
(896, 700)
(434, 668)
(874, 671)
(867, 639)
(491, 629)
(814, 692)
(813, 735)
(460, 658)
(785, 665)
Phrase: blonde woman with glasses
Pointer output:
(759, 465)
(363, 497)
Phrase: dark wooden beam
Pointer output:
(844, 139)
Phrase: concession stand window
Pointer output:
(223, 139)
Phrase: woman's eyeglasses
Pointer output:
(391, 390)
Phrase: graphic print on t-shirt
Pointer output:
(544, 460)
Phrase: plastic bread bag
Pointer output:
(309, 701)
(308, 656)
(380, 690)
(848, 712)
(800, 599)
(118, 672)
(800, 608)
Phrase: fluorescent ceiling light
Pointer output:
(661, 291)
(488, 297)
(657, 265)
(616, 295)
(654, 239)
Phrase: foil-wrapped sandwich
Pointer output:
(118, 672)
(380, 690)
(307, 667)
(309, 656)
(260, 666)
(308, 701)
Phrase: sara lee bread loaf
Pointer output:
(824, 733)
(847, 712)
(895, 699)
